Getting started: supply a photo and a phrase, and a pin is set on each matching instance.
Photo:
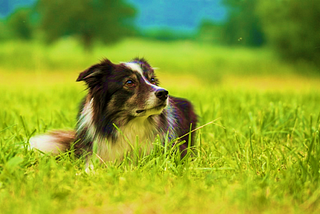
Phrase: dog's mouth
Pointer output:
(157, 108)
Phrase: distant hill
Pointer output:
(185, 15)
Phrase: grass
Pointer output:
(170, 57)
(261, 156)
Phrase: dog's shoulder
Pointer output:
(185, 108)
(186, 118)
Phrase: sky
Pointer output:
(178, 14)
(8, 6)
(185, 15)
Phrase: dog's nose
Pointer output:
(162, 94)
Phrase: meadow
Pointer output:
(260, 155)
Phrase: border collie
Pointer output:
(124, 105)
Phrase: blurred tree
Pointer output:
(210, 31)
(5, 33)
(165, 34)
(243, 25)
(292, 28)
(104, 20)
(19, 23)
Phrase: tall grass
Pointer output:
(261, 156)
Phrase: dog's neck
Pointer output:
(137, 133)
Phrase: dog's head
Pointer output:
(131, 88)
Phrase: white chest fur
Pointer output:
(138, 136)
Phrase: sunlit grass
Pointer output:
(261, 156)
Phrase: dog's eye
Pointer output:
(153, 80)
(129, 83)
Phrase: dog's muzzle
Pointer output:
(162, 94)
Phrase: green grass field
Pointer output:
(260, 156)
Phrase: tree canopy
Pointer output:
(243, 25)
(89, 20)
(20, 24)
(292, 28)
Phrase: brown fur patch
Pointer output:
(63, 137)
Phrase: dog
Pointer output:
(125, 108)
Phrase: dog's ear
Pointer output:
(95, 72)
(90, 72)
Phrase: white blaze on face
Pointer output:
(135, 67)
(152, 99)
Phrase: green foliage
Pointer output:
(207, 61)
(5, 33)
(105, 21)
(165, 35)
(20, 24)
(210, 32)
(292, 28)
(243, 26)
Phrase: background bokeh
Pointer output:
(212, 38)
